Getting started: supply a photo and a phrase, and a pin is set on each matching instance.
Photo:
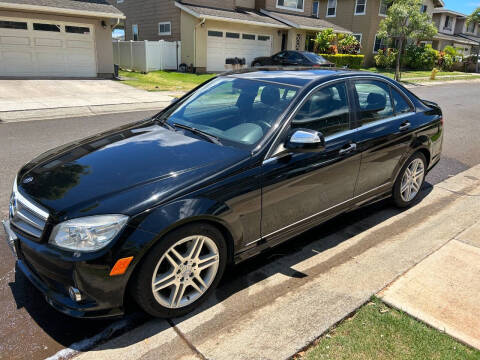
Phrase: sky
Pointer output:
(463, 6)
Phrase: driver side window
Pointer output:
(326, 111)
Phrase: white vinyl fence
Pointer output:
(145, 56)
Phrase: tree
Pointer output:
(475, 18)
(405, 22)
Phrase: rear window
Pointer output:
(315, 58)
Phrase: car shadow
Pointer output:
(278, 260)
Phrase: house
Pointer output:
(454, 31)
(363, 17)
(57, 38)
(213, 30)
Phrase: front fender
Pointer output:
(167, 217)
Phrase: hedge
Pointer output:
(341, 60)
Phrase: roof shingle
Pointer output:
(305, 22)
(238, 14)
(98, 6)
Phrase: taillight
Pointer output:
(441, 120)
(316, 66)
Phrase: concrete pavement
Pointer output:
(442, 290)
(284, 306)
(22, 100)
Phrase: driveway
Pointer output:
(46, 99)
(29, 328)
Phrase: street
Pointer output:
(29, 328)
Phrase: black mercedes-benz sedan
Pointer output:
(158, 208)
(293, 58)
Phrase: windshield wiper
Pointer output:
(209, 137)
(163, 123)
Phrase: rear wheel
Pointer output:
(410, 180)
(181, 271)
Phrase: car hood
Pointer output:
(126, 170)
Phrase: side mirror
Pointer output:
(305, 140)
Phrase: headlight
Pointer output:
(89, 233)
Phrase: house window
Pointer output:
(295, 5)
(47, 27)
(331, 8)
(423, 9)
(13, 25)
(165, 28)
(135, 32)
(471, 28)
(215, 33)
(360, 7)
(359, 39)
(383, 8)
(315, 7)
(379, 44)
(448, 23)
(77, 30)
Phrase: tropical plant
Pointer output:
(445, 61)
(404, 22)
(324, 41)
(348, 44)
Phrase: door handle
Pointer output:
(349, 149)
(404, 126)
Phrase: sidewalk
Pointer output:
(279, 309)
(23, 100)
(443, 290)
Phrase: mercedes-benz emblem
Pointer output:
(28, 180)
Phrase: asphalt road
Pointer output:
(29, 328)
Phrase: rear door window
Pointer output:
(374, 100)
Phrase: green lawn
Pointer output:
(163, 80)
(413, 74)
(379, 332)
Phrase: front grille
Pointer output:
(27, 216)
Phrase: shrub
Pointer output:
(323, 41)
(445, 61)
(348, 44)
(385, 59)
(341, 60)
(420, 58)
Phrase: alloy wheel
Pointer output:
(185, 271)
(412, 180)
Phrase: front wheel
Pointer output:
(410, 180)
(181, 271)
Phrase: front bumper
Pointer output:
(53, 276)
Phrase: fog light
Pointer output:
(75, 294)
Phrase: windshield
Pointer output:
(315, 58)
(239, 112)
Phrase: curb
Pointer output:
(78, 111)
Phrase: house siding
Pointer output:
(147, 14)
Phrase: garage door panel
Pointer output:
(14, 40)
(46, 53)
(48, 42)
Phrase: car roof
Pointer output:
(294, 77)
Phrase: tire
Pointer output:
(401, 197)
(157, 270)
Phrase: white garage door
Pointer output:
(46, 48)
(223, 44)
